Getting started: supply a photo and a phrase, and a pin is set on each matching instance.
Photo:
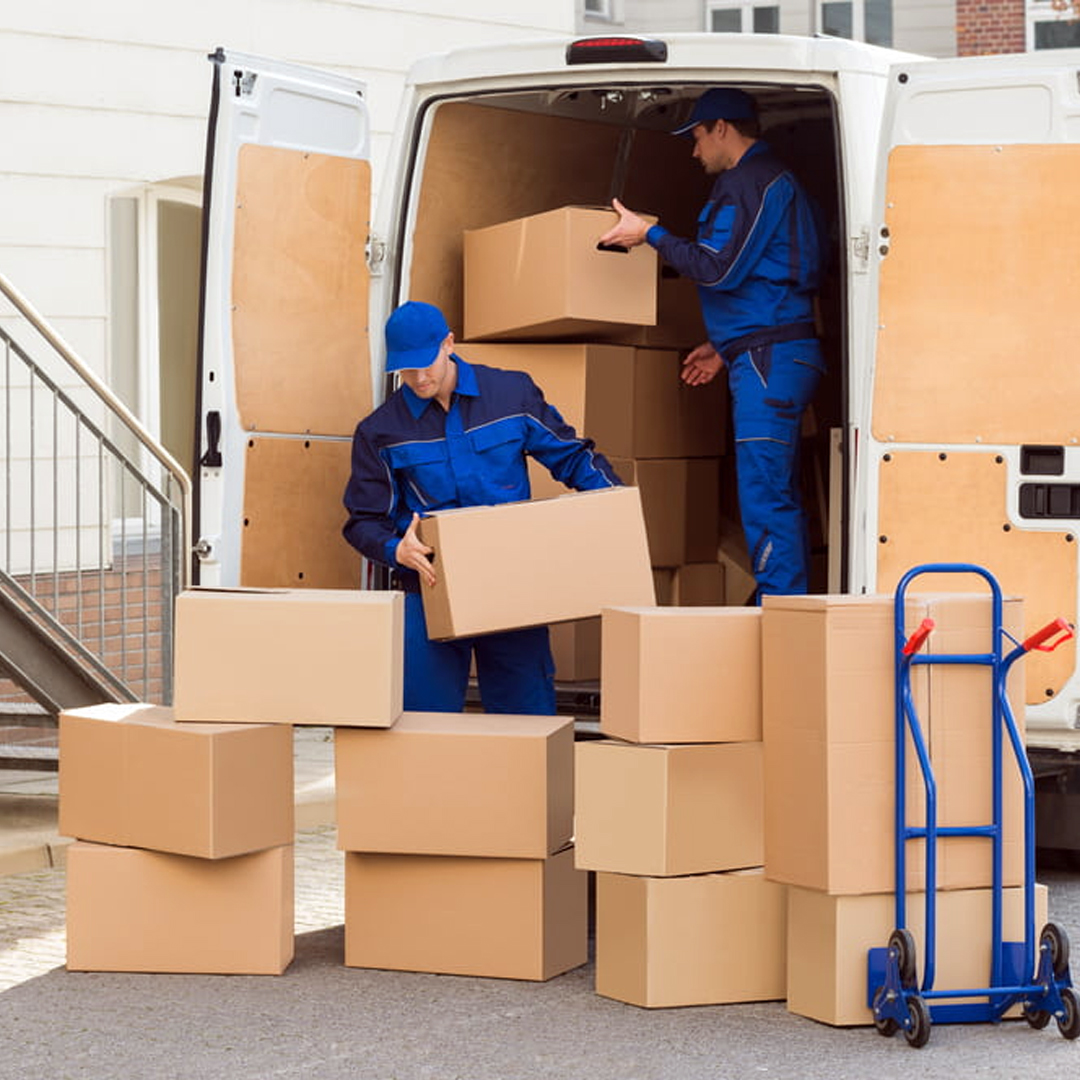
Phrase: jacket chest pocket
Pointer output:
(423, 471)
(499, 451)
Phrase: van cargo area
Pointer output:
(489, 159)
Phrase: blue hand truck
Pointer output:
(1040, 984)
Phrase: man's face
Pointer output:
(427, 382)
(710, 147)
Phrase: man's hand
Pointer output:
(413, 553)
(701, 365)
(630, 229)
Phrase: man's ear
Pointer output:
(449, 340)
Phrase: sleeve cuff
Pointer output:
(655, 234)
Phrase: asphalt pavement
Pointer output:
(325, 1021)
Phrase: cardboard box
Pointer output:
(630, 402)
(740, 585)
(679, 324)
(131, 775)
(709, 939)
(529, 563)
(681, 675)
(699, 585)
(543, 276)
(668, 810)
(664, 583)
(135, 910)
(504, 918)
(680, 500)
(829, 731)
(293, 656)
(575, 648)
(457, 784)
(829, 938)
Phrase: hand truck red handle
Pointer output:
(1058, 626)
(915, 642)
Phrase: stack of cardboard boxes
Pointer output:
(457, 832)
(185, 818)
(669, 812)
(601, 332)
(829, 790)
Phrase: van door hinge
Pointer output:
(860, 252)
(375, 253)
(244, 83)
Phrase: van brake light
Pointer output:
(616, 50)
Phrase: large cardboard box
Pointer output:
(135, 910)
(293, 656)
(679, 323)
(668, 810)
(505, 918)
(708, 939)
(680, 500)
(543, 276)
(457, 784)
(829, 731)
(829, 938)
(575, 648)
(681, 675)
(131, 775)
(528, 563)
(631, 402)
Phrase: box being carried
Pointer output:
(528, 563)
(544, 277)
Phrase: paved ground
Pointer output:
(325, 1021)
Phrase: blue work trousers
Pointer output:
(514, 668)
(771, 385)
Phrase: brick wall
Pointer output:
(987, 27)
(117, 614)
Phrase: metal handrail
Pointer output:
(102, 579)
(113, 404)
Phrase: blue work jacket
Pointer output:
(758, 258)
(410, 456)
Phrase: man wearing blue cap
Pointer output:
(456, 434)
(758, 260)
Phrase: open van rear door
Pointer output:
(973, 448)
(283, 360)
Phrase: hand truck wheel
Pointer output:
(1037, 1018)
(918, 1031)
(1054, 938)
(1069, 1023)
(902, 941)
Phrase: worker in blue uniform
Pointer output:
(758, 260)
(456, 434)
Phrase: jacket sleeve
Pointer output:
(572, 460)
(371, 499)
(732, 238)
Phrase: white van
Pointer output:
(948, 428)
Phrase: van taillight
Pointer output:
(616, 50)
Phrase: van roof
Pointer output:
(694, 57)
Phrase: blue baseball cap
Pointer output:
(720, 103)
(414, 333)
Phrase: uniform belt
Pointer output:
(771, 335)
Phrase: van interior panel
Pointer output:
(919, 490)
(293, 515)
(300, 291)
(950, 348)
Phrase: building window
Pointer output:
(859, 20)
(1053, 24)
(599, 9)
(746, 17)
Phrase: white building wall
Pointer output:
(921, 26)
(99, 98)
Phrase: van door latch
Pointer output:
(860, 251)
(212, 458)
(375, 253)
